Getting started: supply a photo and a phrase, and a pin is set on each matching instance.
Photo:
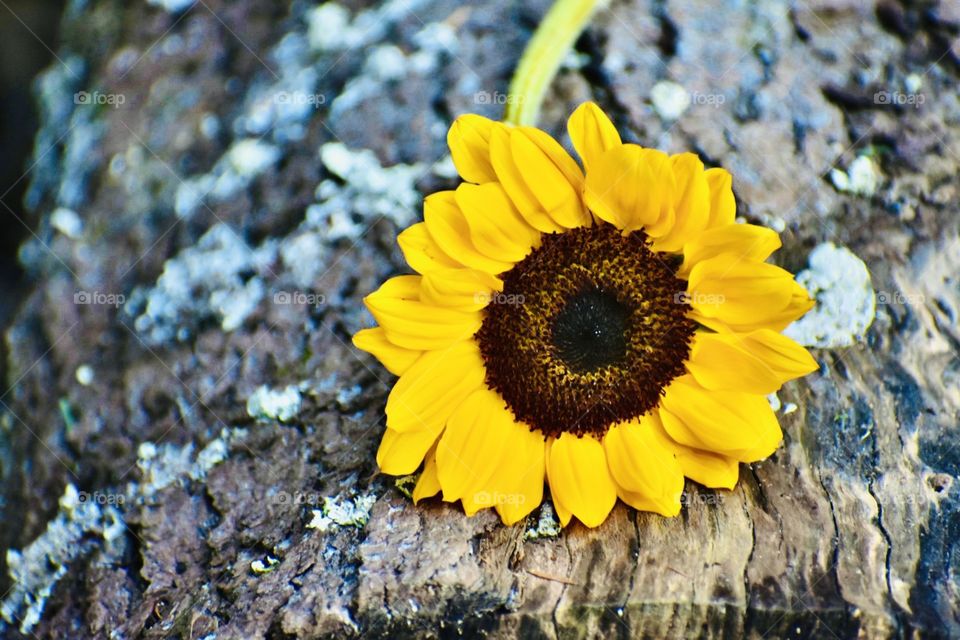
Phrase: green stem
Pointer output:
(554, 37)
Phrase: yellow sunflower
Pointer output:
(609, 329)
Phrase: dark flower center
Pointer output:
(589, 330)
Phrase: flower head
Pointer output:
(609, 329)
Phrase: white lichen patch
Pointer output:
(389, 64)
(172, 6)
(444, 168)
(91, 523)
(774, 400)
(370, 190)
(264, 566)
(669, 99)
(67, 222)
(863, 177)
(342, 512)
(275, 112)
(845, 307)
(36, 569)
(237, 168)
(268, 405)
(547, 524)
(775, 222)
(164, 465)
(330, 28)
(776, 405)
(84, 375)
(218, 277)
(251, 157)
(913, 82)
(303, 255)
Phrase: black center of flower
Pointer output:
(589, 330)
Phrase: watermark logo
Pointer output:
(703, 299)
(300, 99)
(114, 100)
(899, 297)
(299, 298)
(99, 298)
(102, 499)
(308, 498)
(709, 99)
(487, 498)
(498, 297)
(899, 98)
(485, 97)
(713, 499)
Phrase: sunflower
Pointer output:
(610, 329)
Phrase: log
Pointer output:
(188, 440)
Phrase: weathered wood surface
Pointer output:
(850, 530)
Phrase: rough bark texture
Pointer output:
(150, 500)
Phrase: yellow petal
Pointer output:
(428, 484)
(551, 174)
(756, 362)
(712, 470)
(691, 202)
(735, 424)
(632, 188)
(592, 133)
(642, 502)
(475, 500)
(547, 196)
(643, 466)
(559, 156)
(518, 481)
(401, 453)
(738, 291)
(421, 251)
(429, 391)
(412, 324)
(468, 289)
(579, 478)
(800, 303)
(723, 206)
(448, 227)
(374, 341)
(477, 436)
(469, 142)
(748, 241)
(709, 469)
(496, 228)
(510, 175)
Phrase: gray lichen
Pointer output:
(36, 569)
(210, 279)
(266, 404)
(845, 307)
(341, 511)
(369, 190)
(863, 178)
(94, 523)
(164, 465)
(547, 525)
